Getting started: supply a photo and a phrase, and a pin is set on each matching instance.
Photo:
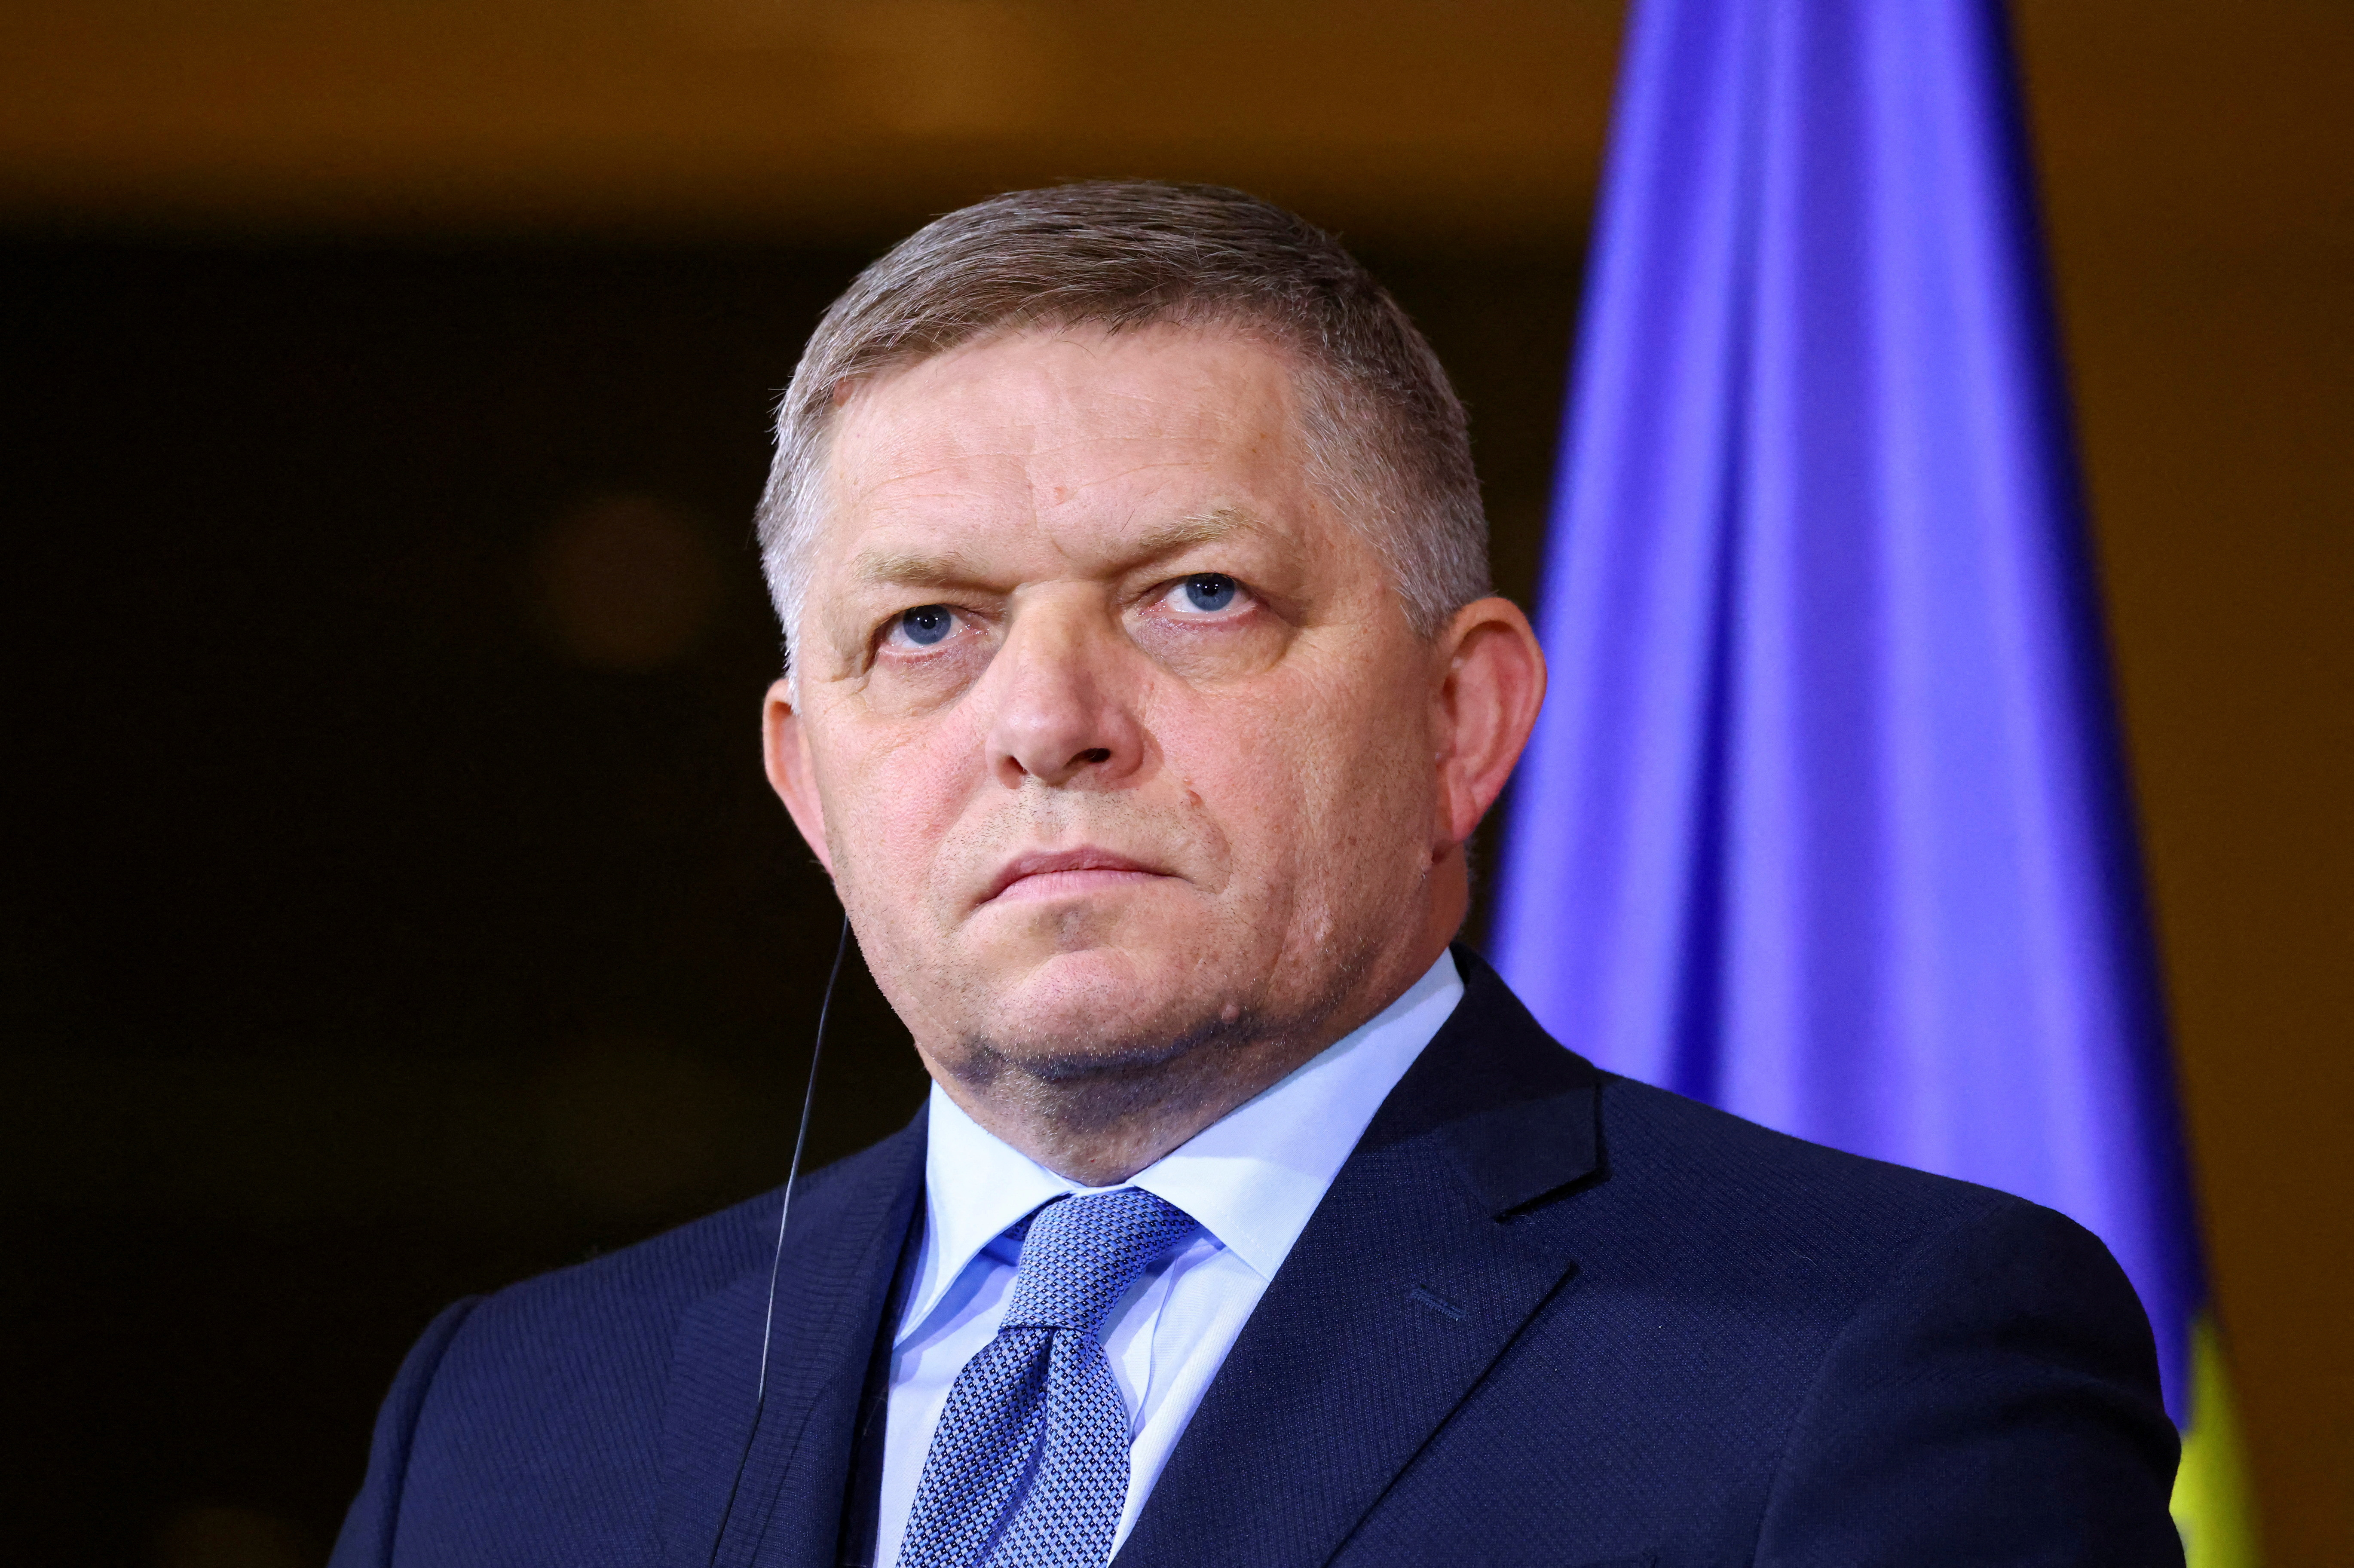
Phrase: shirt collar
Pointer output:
(1251, 1178)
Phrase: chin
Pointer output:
(1105, 1006)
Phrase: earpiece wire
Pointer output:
(784, 1213)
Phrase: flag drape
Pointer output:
(1826, 820)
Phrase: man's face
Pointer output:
(1115, 739)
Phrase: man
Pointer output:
(1143, 693)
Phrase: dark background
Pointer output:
(393, 905)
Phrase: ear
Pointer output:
(1491, 681)
(792, 772)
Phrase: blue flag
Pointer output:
(1826, 820)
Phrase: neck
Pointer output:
(1103, 1126)
(1102, 1122)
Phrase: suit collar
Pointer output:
(1433, 1246)
(1513, 1108)
(750, 1481)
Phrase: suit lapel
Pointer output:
(791, 1447)
(1425, 1259)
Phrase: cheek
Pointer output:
(1364, 754)
(1303, 781)
(893, 798)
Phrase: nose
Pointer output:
(1063, 714)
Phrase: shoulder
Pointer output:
(529, 1422)
(1836, 1230)
(1660, 1146)
(1692, 1187)
(1899, 1363)
(1690, 1210)
(641, 1291)
(1964, 1375)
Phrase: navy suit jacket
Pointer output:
(1544, 1316)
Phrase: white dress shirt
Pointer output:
(1250, 1181)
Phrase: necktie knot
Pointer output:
(1081, 1255)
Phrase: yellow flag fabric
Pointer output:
(2212, 1505)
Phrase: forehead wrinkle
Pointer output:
(1188, 412)
(950, 470)
(1026, 436)
(1154, 541)
(1114, 477)
(942, 467)
(1024, 439)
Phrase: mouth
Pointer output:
(1060, 873)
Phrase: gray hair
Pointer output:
(1386, 441)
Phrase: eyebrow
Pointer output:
(923, 568)
(912, 568)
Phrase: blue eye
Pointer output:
(927, 623)
(1209, 591)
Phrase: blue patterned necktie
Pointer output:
(1028, 1467)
